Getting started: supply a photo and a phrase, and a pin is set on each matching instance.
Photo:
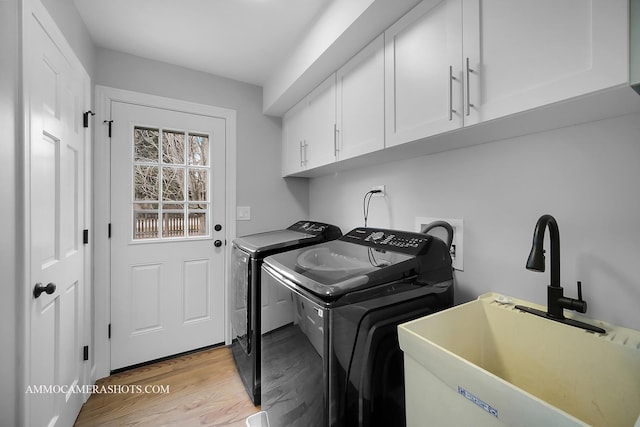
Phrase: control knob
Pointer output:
(377, 235)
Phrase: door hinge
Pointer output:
(109, 122)
(109, 231)
(109, 331)
(85, 118)
(85, 352)
(85, 237)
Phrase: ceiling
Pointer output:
(244, 40)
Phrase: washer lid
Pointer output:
(256, 244)
(335, 268)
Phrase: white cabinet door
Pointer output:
(360, 102)
(423, 72)
(525, 54)
(320, 124)
(293, 139)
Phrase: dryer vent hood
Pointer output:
(634, 45)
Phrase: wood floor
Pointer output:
(204, 390)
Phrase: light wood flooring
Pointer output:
(204, 390)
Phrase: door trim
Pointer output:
(102, 203)
(28, 10)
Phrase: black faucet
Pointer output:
(556, 301)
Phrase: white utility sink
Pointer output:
(485, 363)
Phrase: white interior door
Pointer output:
(55, 214)
(167, 241)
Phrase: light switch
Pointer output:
(243, 213)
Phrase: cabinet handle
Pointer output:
(306, 151)
(335, 140)
(301, 162)
(469, 104)
(451, 79)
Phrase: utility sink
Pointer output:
(486, 363)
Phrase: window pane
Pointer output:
(197, 223)
(198, 184)
(145, 143)
(145, 225)
(169, 207)
(173, 147)
(146, 182)
(173, 224)
(198, 149)
(173, 184)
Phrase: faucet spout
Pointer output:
(536, 258)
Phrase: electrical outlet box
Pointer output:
(378, 187)
(457, 246)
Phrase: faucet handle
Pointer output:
(579, 290)
(579, 304)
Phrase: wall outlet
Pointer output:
(457, 246)
(378, 187)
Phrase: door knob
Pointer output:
(217, 227)
(40, 288)
(217, 243)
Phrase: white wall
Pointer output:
(8, 185)
(274, 202)
(586, 176)
(70, 23)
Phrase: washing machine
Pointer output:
(248, 296)
(338, 362)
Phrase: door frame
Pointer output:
(102, 204)
(28, 10)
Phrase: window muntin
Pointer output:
(171, 184)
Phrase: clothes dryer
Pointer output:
(247, 255)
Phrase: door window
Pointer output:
(170, 184)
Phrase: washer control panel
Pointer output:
(391, 240)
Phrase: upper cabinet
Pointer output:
(423, 73)
(459, 65)
(360, 103)
(321, 121)
(294, 139)
(308, 130)
(454, 63)
(523, 54)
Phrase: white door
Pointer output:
(55, 215)
(167, 232)
(525, 54)
(423, 77)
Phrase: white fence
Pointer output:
(146, 225)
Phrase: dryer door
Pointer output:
(240, 280)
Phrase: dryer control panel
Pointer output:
(391, 240)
